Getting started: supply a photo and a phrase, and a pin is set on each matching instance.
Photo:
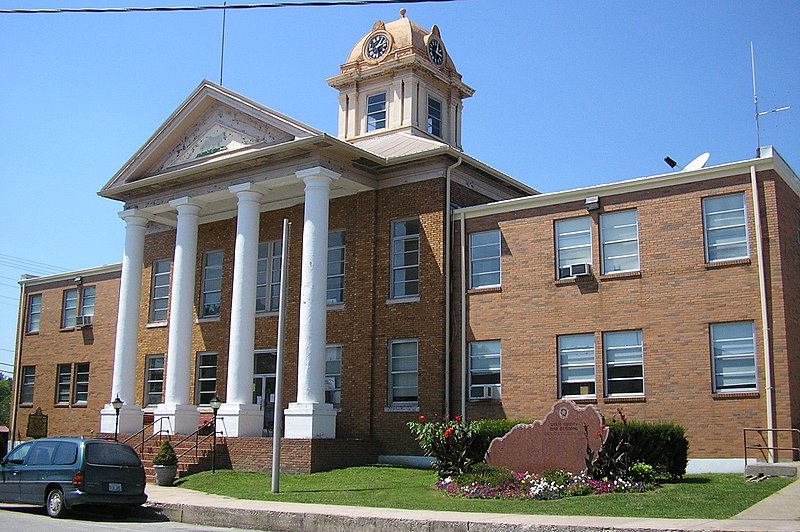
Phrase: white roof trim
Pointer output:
(44, 279)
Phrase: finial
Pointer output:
(403, 12)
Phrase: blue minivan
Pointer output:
(61, 473)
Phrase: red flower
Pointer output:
(449, 432)
(422, 418)
(458, 419)
(598, 433)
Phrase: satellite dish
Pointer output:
(698, 162)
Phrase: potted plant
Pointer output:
(165, 463)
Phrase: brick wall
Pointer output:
(673, 300)
(297, 456)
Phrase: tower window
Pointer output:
(434, 117)
(376, 111)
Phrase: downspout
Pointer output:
(463, 324)
(762, 285)
(448, 230)
(17, 377)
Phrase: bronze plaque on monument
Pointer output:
(559, 441)
(37, 425)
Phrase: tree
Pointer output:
(5, 399)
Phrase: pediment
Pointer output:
(214, 122)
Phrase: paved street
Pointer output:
(34, 519)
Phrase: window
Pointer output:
(80, 387)
(70, 308)
(725, 223)
(154, 380)
(484, 370)
(268, 278)
(484, 259)
(573, 245)
(333, 375)
(403, 371)
(34, 313)
(28, 379)
(376, 111)
(405, 258)
(336, 243)
(620, 240)
(576, 365)
(206, 377)
(159, 297)
(87, 301)
(434, 117)
(211, 294)
(733, 349)
(63, 378)
(624, 363)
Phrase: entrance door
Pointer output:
(264, 388)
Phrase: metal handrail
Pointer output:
(765, 446)
(155, 433)
(197, 442)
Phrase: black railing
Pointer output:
(160, 433)
(766, 449)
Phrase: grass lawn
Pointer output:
(695, 496)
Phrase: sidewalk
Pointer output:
(779, 512)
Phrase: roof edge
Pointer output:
(63, 276)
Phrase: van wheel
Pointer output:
(55, 503)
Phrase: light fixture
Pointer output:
(670, 161)
(117, 404)
(215, 403)
(592, 203)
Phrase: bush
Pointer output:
(485, 474)
(165, 455)
(488, 429)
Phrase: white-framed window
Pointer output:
(268, 276)
(403, 371)
(484, 370)
(211, 287)
(154, 380)
(34, 313)
(573, 245)
(484, 259)
(333, 375)
(69, 310)
(619, 233)
(725, 224)
(87, 301)
(28, 382)
(576, 366)
(80, 384)
(624, 359)
(376, 111)
(63, 380)
(159, 294)
(206, 377)
(405, 258)
(733, 355)
(434, 117)
(336, 249)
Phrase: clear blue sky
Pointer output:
(568, 94)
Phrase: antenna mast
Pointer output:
(755, 102)
(222, 50)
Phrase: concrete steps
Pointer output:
(193, 461)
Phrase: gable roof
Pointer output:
(211, 122)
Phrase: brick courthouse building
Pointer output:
(673, 297)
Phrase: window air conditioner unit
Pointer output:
(575, 270)
(490, 392)
(83, 321)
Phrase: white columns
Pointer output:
(182, 417)
(123, 384)
(310, 416)
(242, 418)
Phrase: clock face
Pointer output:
(377, 46)
(435, 51)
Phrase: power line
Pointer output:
(24, 261)
(211, 7)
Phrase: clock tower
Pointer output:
(400, 78)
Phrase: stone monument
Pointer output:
(559, 441)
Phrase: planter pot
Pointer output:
(165, 474)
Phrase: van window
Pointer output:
(42, 453)
(66, 454)
(111, 454)
(17, 456)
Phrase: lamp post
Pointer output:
(117, 404)
(215, 404)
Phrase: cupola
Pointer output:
(399, 77)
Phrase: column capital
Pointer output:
(246, 192)
(317, 174)
(187, 204)
(134, 217)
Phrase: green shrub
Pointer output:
(488, 429)
(662, 445)
(165, 455)
(485, 474)
(641, 472)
